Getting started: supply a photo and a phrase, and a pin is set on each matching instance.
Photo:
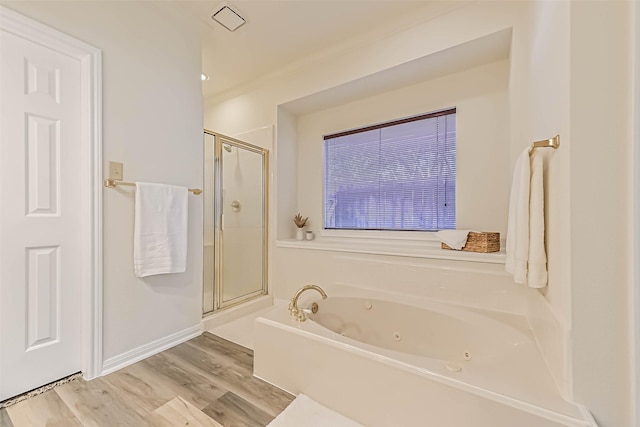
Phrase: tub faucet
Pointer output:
(298, 313)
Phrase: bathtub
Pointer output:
(386, 360)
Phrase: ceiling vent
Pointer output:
(228, 17)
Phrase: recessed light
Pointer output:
(204, 77)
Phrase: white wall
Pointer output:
(267, 103)
(576, 82)
(635, 299)
(252, 106)
(152, 122)
(539, 96)
(482, 147)
(569, 76)
(601, 176)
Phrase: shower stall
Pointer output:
(235, 222)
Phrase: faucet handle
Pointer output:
(292, 308)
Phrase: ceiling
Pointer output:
(279, 33)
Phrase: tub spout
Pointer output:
(293, 305)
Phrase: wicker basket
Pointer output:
(480, 242)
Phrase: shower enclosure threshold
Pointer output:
(226, 315)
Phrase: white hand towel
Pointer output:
(518, 221)
(526, 256)
(455, 239)
(160, 236)
(537, 269)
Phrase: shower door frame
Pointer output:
(218, 302)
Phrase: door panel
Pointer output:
(242, 249)
(40, 215)
(235, 224)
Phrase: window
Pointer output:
(399, 175)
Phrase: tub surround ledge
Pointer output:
(411, 248)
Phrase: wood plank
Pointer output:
(5, 420)
(207, 372)
(179, 412)
(228, 374)
(223, 345)
(231, 410)
(46, 409)
(226, 351)
(96, 403)
(130, 385)
(181, 378)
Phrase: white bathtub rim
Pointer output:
(517, 328)
(380, 358)
(420, 301)
(516, 325)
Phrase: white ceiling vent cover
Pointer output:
(229, 18)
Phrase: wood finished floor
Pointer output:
(206, 381)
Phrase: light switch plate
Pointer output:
(116, 171)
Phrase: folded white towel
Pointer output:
(455, 239)
(526, 257)
(160, 236)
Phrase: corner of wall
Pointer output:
(553, 337)
(635, 298)
(285, 172)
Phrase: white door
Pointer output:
(40, 215)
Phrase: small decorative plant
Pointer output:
(299, 221)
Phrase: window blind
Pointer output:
(399, 175)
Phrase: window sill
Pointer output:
(413, 249)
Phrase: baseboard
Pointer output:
(137, 354)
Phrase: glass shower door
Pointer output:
(235, 237)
